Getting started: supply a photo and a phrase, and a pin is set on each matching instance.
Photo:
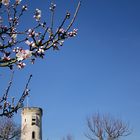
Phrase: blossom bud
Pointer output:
(21, 65)
(52, 7)
(18, 2)
(24, 8)
(37, 15)
(68, 15)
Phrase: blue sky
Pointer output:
(98, 71)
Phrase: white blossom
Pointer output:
(41, 50)
(5, 2)
(61, 42)
(28, 42)
(14, 36)
(23, 54)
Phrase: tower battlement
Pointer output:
(27, 110)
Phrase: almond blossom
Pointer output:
(41, 50)
(23, 54)
(38, 39)
(5, 2)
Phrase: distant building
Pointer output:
(31, 128)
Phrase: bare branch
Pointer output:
(5, 95)
(8, 109)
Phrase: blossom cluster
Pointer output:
(17, 46)
(65, 34)
(37, 39)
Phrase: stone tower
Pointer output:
(31, 128)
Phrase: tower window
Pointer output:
(33, 135)
(33, 120)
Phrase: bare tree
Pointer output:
(105, 127)
(36, 41)
(115, 128)
(9, 130)
(95, 125)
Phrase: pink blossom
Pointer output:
(23, 54)
(5, 2)
(6, 58)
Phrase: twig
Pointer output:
(4, 98)
(74, 17)
(24, 94)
